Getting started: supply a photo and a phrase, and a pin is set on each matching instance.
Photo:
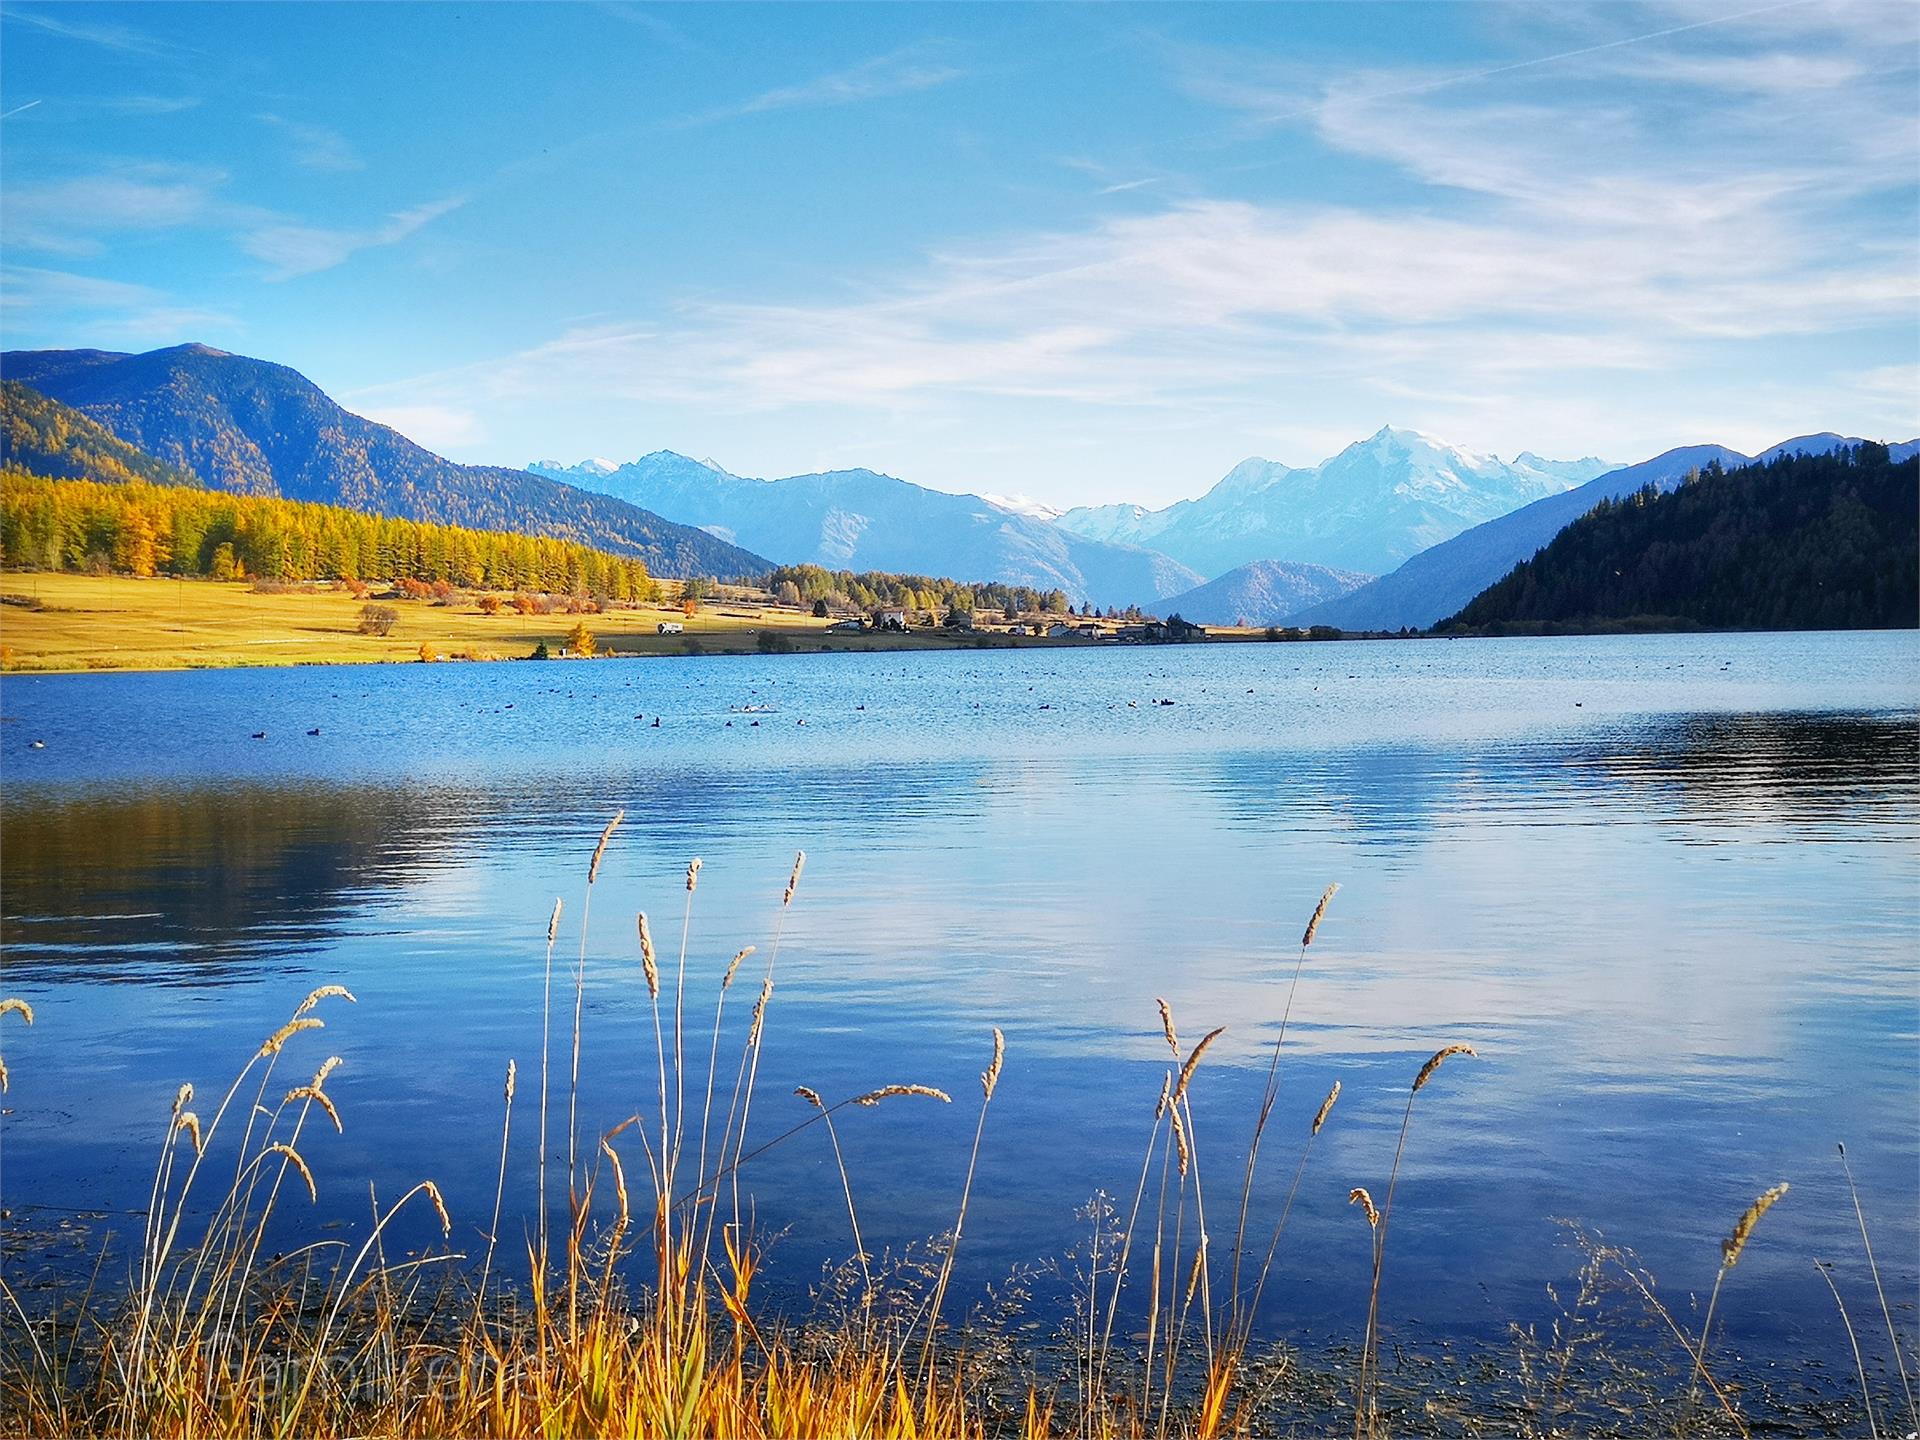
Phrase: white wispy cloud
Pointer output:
(1658, 213)
(75, 216)
(902, 72)
(70, 307)
(315, 147)
(107, 35)
(291, 250)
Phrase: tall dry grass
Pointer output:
(638, 1315)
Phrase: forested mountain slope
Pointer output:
(255, 428)
(1800, 542)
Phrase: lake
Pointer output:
(1667, 886)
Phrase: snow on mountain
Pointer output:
(1368, 508)
(1024, 505)
(861, 520)
(1440, 581)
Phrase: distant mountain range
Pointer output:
(1265, 592)
(262, 429)
(862, 520)
(1437, 582)
(1805, 539)
(1367, 509)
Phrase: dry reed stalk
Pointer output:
(748, 1076)
(989, 1081)
(1286, 1211)
(706, 1108)
(1269, 1097)
(1097, 1384)
(679, 1032)
(499, 1191)
(1730, 1249)
(1866, 1398)
(1369, 1350)
(1886, 1311)
(546, 1036)
(812, 1097)
(579, 1003)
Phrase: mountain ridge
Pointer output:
(1800, 539)
(256, 427)
(1263, 592)
(1439, 581)
(1367, 509)
(861, 519)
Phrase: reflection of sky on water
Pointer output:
(1678, 918)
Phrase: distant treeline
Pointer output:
(1804, 542)
(875, 589)
(136, 528)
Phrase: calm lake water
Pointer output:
(1668, 886)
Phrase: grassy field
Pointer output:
(52, 622)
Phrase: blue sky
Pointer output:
(1081, 253)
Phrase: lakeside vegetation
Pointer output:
(643, 1241)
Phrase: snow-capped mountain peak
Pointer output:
(1023, 505)
(1366, 509)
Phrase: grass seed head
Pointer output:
(1319, 911)
(812, 1097)
(553, 921)
(647, 961)
(272, 1044)
(619, 1180)
(1439, 1059)
(181, 1098)
(433, 1190)
(733, 965)
(793, 880)
(1326, 1109)
(1731, 1247)
(190, 1122)
(1193, 1061)
(293, 1158)
(314, 1095)
(760, 1011)
(1166, 1025)
(1359, 1196)
(12, 1005)
(1182, 1152)
(990, 1076)
(887, 1092)
(325, 992)
(513, 1072)
(600, 850)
